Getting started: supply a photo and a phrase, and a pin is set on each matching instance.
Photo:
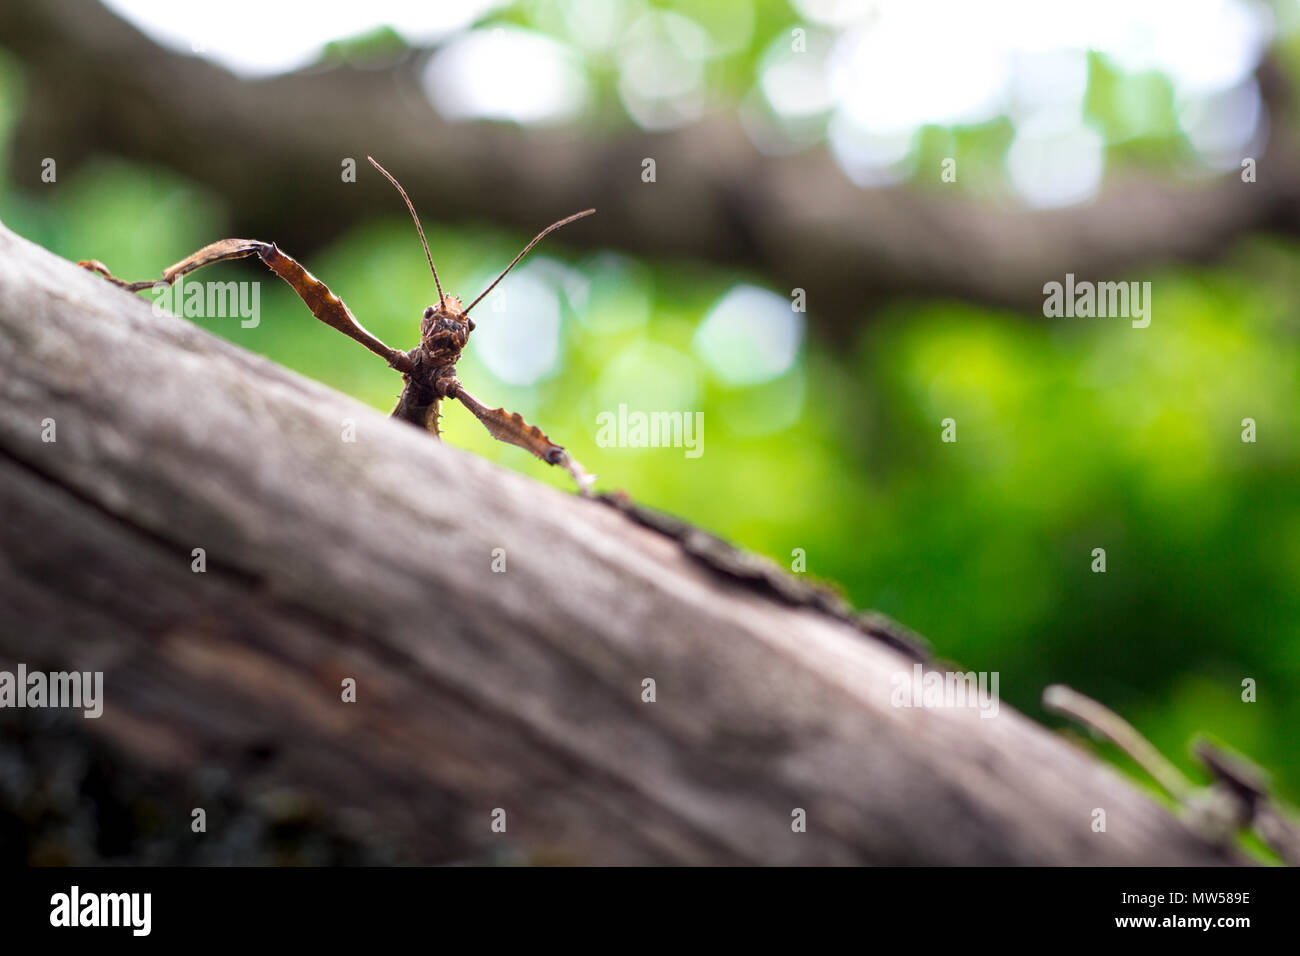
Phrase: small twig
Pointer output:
(1068, 702)
(1238, 798)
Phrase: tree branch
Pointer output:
(475, 690)
(273, 149)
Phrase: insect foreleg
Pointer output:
(324, 304)
(510, 427)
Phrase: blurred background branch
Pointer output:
(96, 84)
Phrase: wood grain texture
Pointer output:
(477, 690)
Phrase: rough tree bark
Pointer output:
(272, 149)
(476, 690)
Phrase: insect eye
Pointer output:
(428, 313)
(471, 324)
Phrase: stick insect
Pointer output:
(429, 369)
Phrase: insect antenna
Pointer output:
(539, 237)
(419, 228)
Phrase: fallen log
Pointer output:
(480, 696)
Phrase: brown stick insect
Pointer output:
(429, 369)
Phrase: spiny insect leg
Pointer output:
(510, 427)
(324, 304)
